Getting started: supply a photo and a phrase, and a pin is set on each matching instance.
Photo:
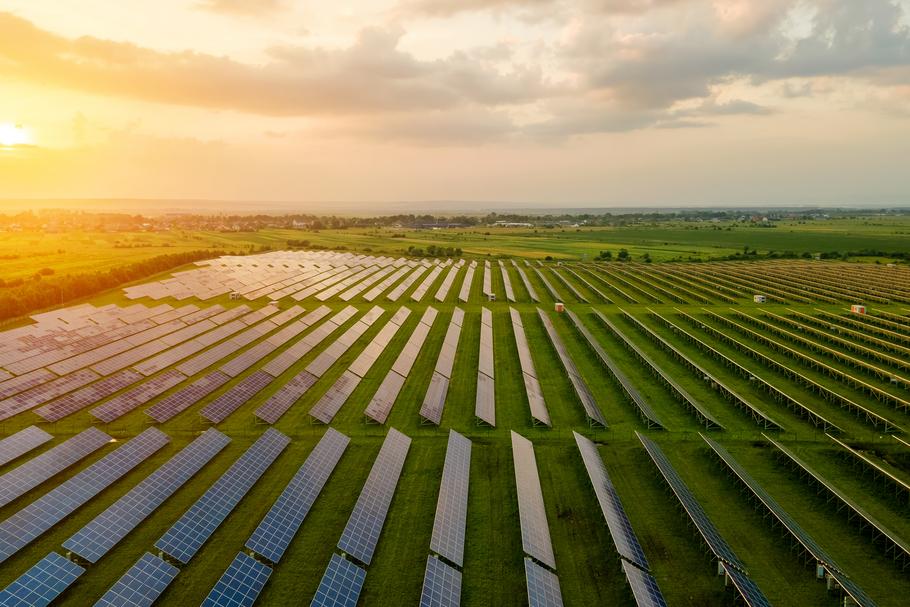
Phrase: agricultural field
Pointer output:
(22, 254)
(758, 450)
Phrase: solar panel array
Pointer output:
(127, 401)
(535, 533)
(91, 394)
(380, 405)
(507, 282)
(284, 398)
(340, 585)
(647, 413)
(45, 392)
(536, 401)
(487, 287)
(39, 516)
(424, 286)
(361, 534)
(396, 293)
(303, 346)
(584, 393)
(624, 538)
(434, 401)
(240, 585)
(103, 532)
(441, 585)
(219, 409)
(275, 532)
(141, 585)
(549, 286)
(335, 397)
(197, 524)
(543, 586)
(709, 533)
(336, 349)
(448, 281)
(485, 400)
(186, 397)
(644, 587)
(532, 293)
(41, 584)
(20, 443)
(449, 523)
(465, 292)
(30, 474)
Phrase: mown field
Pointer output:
(587, 565)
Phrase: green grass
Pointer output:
(493, 574)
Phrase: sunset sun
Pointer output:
(13, 134)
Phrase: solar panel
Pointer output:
(543, 586)
(535, 534)
(751, 595)
(435, 399)
(41, 584)
(219, 409)
(45, 392)
(578, 382)
(240, 585)
(452, 506)
(19, 481)
(29, 523)
(703, 524)
(536, 402)
(340, 585)
(96, 538)
(441, 585)
(623, 535)
(465, 291)
(141, 585)
(186, 397)
(123, 403)
(380, 406)
(361, 534)
(21, 443)
(91, 394)
(275, 532)
(335, 397)
(644, 587)
(485, 403)
(187, 535)
(282, 400)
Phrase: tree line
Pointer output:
(23, 297)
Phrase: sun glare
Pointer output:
(13, 134)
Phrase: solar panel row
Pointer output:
(447, 282)
(361, 534)
(536, 401)
(535, 533)
(330, 355)
(543, 586)
(41, 584)
(441, 585)
(465, 291)
(396, 293)
(36, 518)
(507, 282)
(434, 401)
(45, 392)
(485, 398)
(240, 585)
(103, 532)
(20, 443)
(340, 585)
(24, 478)
(219, 409)
(141, 585)
(89, 395)
(450, 521)
(186, 397)
(282, 400)
(303, 346)
(123, 403)
(193, 529)
(584, 393)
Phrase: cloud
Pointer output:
(447, 8)
(371, 75)
(243, 8)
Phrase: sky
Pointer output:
(575, 103)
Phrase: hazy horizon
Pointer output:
(477, 104)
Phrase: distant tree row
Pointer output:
(434, 251)
(22, 296)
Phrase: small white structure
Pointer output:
(760, 298)
(235, 295)
(560, 307)
(491, 297)
(274, 302)
(858, 309)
